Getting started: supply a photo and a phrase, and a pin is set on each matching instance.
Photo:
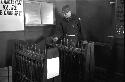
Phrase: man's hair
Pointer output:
(66, 8)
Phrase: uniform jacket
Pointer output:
(70, 26)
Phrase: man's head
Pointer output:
(66, 11)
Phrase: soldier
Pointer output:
(69, 27)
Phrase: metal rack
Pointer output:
(76, 63)
(29, 63)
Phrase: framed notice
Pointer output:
(47, 13)
(11, 15)
(38, 13)
(32, 13)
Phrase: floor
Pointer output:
(98, 77)
(108, 77)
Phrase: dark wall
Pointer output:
(119, 55)
(97, 18)
(5, 38)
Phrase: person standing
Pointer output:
(69, 28)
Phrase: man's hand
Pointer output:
(85, 42)
(55, 39)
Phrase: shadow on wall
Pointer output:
(10, 51)
(5, 37)
(96, 17)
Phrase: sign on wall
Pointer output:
(32, 13)
(11, 15)
(38, 13)
(47, 13)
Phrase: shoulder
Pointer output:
(75, 18)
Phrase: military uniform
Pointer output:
(70, 28)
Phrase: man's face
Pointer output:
(67, 14)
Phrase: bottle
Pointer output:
(64, 41)
(61, 42)
(67, 42)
